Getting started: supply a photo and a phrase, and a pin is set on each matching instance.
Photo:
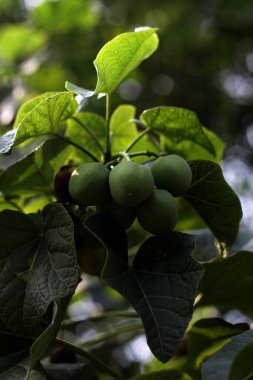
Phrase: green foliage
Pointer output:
(214, 200)
(134, 47)
(50, 239)
(224, 365)
(226, 292)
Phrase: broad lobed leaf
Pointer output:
(38, 265)
(161, 284)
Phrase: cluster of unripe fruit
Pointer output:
(132, 190)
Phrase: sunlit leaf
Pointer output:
(178, 124)
(121, 55)
(43, 119)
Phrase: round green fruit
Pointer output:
(130, 183)
(125, 215)
(172, 173)
(158, 214)
(88, 184)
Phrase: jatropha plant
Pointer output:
(75, 185)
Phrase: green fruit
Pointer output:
(88, 184)
(172, 173)
(130, 183)
(125, 215)
(158, 214)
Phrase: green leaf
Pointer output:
(19, 371)
(29, 105)
(207, 336)
(178, 124)
(38, 265)
(43, 119)
(123, 131)
(214, 200)
(220, 286)
(78, 90)
(121, 55)
(219, 367)
(41, 344)
(19, 41)
(161, 284)
(20, 153)
(162, 375)
(14, 349)
(242, 366)
(79, 134)
(192, 151)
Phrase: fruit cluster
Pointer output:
(132, 190)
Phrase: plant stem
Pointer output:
(112, 333)
(107, 120)
(106, 314)
(89, 131)
(71, 142)
(143, 133)
(80, 351)
(144, 153)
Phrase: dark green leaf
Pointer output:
(161, 284)
(122, 55)
(193, 151)
(220, 365)
(162, 375)
(38, 265)
(207, 336)
(227, 283)
(43, 119)
(178, 124)
(214, 200)
(113, 237)
(19, 371)
(242, 366)
(13, 350)
(40, 345)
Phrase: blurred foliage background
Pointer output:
(204, 61)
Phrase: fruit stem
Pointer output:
(143, 133)
(80, 351)
(89, 131)
(122, 154)
(107, 154)
(144, 153)
(71, 142)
